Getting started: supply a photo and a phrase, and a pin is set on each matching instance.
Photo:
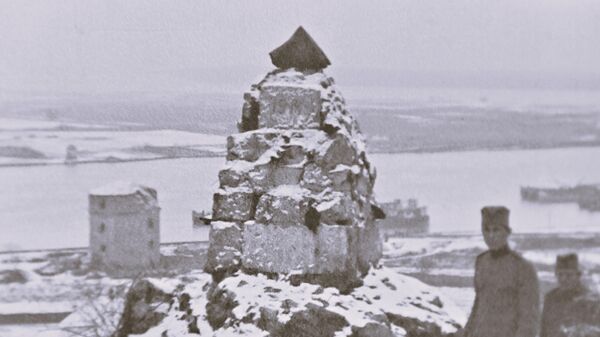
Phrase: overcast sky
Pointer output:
(106, 45)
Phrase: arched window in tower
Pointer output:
(102, 248)
(102, 203)
(151, 244)
(102, 228)
(150, 223)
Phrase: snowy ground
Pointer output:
(38, 330)
(447, 261)
(384, 291)
(31, 142)
(54, 281)
(58, 281)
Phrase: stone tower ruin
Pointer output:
(124, 227)
(296, 193)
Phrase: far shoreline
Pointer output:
(434, 235)
(405, 151)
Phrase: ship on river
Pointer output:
(587, 196)
(403, 220)
(201, 219)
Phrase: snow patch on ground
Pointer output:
(430, 245)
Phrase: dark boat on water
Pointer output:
(403, 220)
(201, 219)
(586, 196)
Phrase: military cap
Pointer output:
(567, 261)
(495, 215)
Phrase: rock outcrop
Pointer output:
(387, 304)
(141, 311)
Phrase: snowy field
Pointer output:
(35, 142)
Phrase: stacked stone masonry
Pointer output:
(296, 193)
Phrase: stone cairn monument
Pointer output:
(296, 194)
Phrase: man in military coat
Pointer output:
(560, 304)
(506, 285)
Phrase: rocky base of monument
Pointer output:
(387, 304)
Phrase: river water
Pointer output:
(46, 206)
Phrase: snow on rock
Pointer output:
(222, 225)
(227, 236)
(387, 304)
(262, 248)
(122, 308)
(185, 314)
(233, 204)
(333, 113)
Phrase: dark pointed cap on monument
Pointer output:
(300, 52)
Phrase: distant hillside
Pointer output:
(393, 119)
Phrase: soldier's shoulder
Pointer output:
(482, 256)
(518, 257)
(522, 262)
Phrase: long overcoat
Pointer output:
(506, 297)
(558, 307)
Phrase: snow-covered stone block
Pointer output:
(336, 249)
(233, 204)
(337, 151)
(259, 178)
(293, 154)
(341, 177)
(249, 146)
(314, 178)
(286, 175)
(225, 249)
(278, 249)
(338, 208)
(231, 177)
(362, 184)
(289, 107)
(370, 247)
(283, 205)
